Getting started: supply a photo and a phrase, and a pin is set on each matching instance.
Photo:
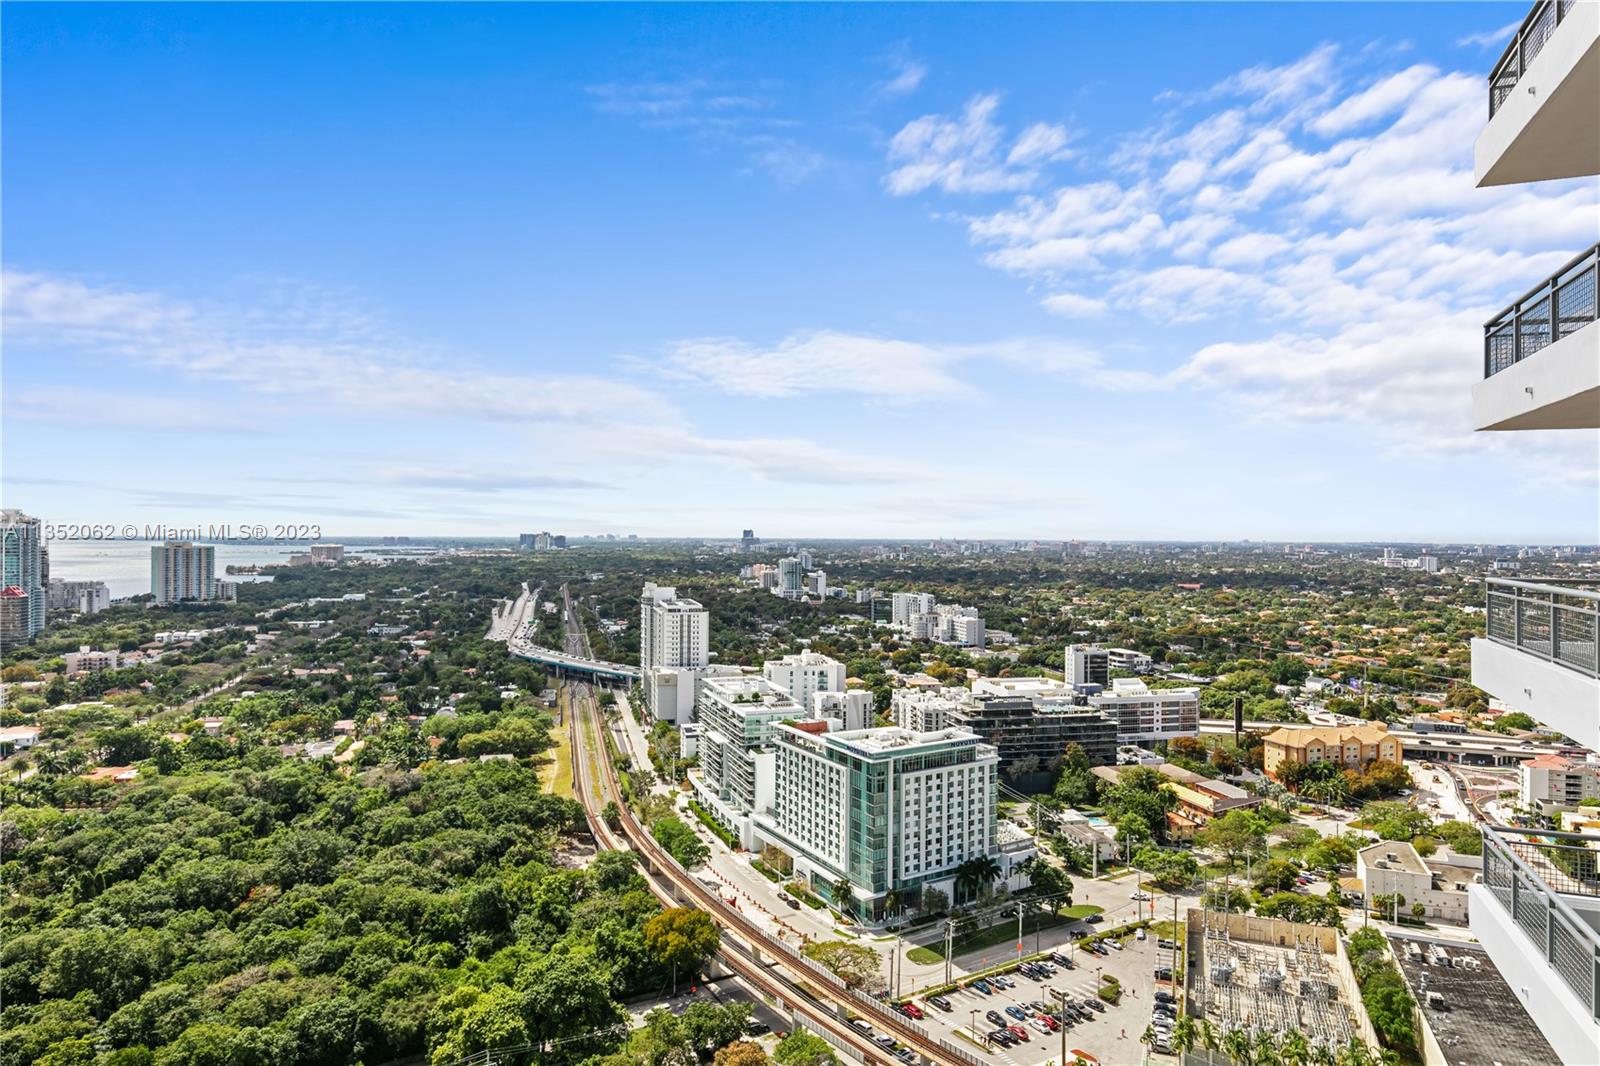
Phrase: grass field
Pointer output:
(1004, 933)
(556, 772)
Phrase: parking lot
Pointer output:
(1111, 1035)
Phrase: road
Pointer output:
(510, 620)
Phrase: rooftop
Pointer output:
(1393, 855)
(1474, 1015)
(1367, 733)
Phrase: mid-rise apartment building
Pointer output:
(736, 716)
(674, 649)
(853, 709)
(1129, 661)
(1350, 747)
(182, 572)
(1144, 714)
(24, 566)
(791, 578)
(88, 661)
(1550, 784)
(803, 674)
(1541, 649)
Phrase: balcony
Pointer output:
(1544, 99)
(1541, 355)
(1541, 654)
(1537, 913)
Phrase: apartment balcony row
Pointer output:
(1541, 355)
(1541, 654)
(1544, 99)
(1537, 913)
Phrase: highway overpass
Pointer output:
(575, 665)
(1470, 749)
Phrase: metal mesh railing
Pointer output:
(1528, 872)
(1531, 37)
(1552, 622)
(1558, 307)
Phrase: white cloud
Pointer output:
(1040, 142)
(906, 77)
(1072, 305)
(301, 347)
(1491, 39)
(1324, 245)
(1382, 99)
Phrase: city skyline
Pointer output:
(807, 270)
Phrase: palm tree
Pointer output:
(893, 903)
(1322, 1055)
(1183, 1035)
(1267, 1048)
(1148, 1039)
(1208, 1034)
(976, 873)
(1295, 1051)
(1236, 1044)
(844, 896)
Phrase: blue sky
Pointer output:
(1111, 271)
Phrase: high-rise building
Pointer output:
(674, 647)
(525, 541)
(1541, 371)
(1088, 664)
(803, 674)
(14, 617)
(24, 565)
(85, 597)
(791, 578)
(904, 606)
(736, 716)
(327, 554)
(181, 571)
(888, 810)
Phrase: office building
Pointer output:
(674, 646)
(1030, 735)
(803, 674)
(1087, 664)
(1393, 868)
(182, 572)
(748, 541)
(1550, 784)
(1144, 714)
(888, 810)
(1351, 747)
(24, 565)
(525, 541)
(1540, 367)
(1129, 661)
(816, 583)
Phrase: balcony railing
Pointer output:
(1559, 306)
(1529, 871)
(1531, 38)
(1553, 622)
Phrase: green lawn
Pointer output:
(1080, 910)
(1005, 932)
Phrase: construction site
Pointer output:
(1253, 975)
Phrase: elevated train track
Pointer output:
(776, 969)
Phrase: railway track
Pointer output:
(813, 994)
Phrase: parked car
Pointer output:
(1166, 945)
(1019, 1032)
(1018, 1013)
(1163, 996)
(756, 1028)
(994, 1017)
(1140, 935)
(1096, 1006)
(911, 1010)
(982, 986)
(940, 1002)
(1163, 973)
(1003, 1038)
(1040, 1025)
(1049, 1023)
(1117, 944)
